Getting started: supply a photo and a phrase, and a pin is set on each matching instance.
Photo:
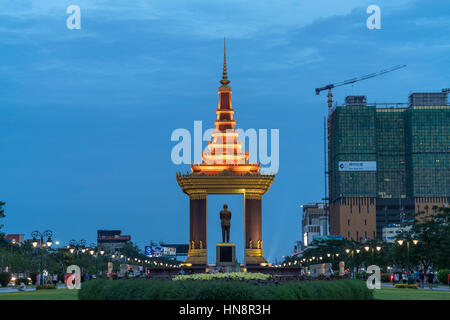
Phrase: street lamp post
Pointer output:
(352, 253)
(400, 242)
(75, 247)
(41, 236)
(13, 242)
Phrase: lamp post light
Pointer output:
(352, 253)
(38, 237)
(408, 242)
(74, 246)
(372, 250)
(77, 246)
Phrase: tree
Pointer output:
(131, 250)
(2, 214)
(433, 233)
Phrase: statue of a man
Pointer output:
(225, 218)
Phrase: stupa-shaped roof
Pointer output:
(224, 151)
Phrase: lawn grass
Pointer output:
(50, 294)
(409, 294)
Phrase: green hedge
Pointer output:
(5, 278)
(152, 289)
(385, 277)
(443, 276)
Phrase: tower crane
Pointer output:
(353, 80)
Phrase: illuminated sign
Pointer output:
(357, 166)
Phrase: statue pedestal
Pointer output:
(225, 254)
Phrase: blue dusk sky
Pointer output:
(86, 115)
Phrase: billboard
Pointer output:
(329, 237)
(168, 251)
(357, 166)
(158, 251)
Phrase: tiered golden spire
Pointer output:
(224, 80)
(225, 151)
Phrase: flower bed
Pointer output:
(406, 286)
(224, 276)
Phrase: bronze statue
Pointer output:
(225, 218)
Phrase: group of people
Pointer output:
(414, 277)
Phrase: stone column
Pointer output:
(254, 253)
(197, 230)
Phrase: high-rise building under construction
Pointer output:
(385, 162)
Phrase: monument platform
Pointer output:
(225, 254)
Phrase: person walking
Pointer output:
(421, 278)
(430, 278)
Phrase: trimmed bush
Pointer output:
(442, 276)
(20, 280)
(5, 278)
(33, 276)
(45, 286)
(154, 289)
(385, 277)
(361, 275)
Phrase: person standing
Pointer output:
(430, 278)
(396, 277)
(405, 277)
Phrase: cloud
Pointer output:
(199, 18)
(290, 59)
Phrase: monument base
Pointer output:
(225, 254)
(254, 257)
(196, 257)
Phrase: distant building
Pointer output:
(111, 240)
(387, 161)
(15, 238)
(391, 231)
(298, 249)
(315, 222)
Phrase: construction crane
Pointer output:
(353, 80)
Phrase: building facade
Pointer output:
(315, 221)
(387, 162)
(111, 240)
(17, 238)
(390, 232)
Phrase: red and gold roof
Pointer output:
(225, 152)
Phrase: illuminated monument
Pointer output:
(225, 169)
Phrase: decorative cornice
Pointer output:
(199, 185)
(252, 195)
(197, 194)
